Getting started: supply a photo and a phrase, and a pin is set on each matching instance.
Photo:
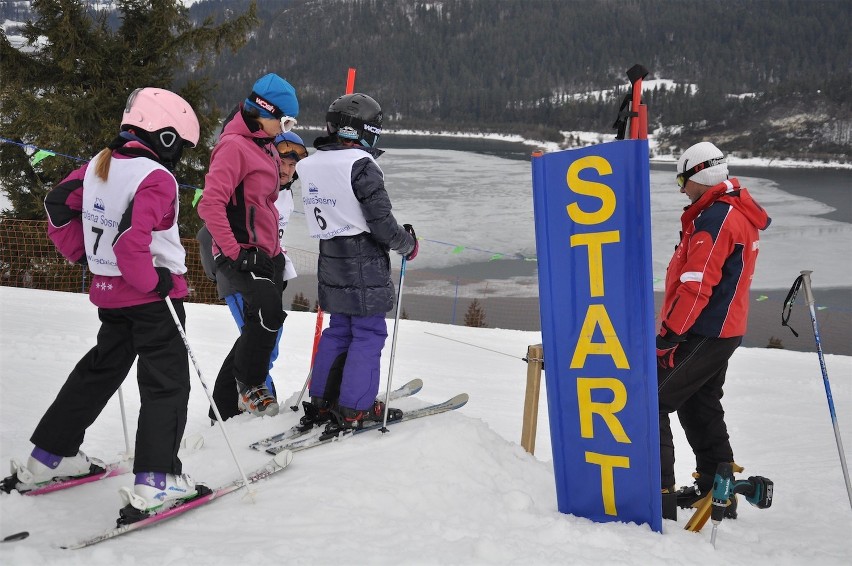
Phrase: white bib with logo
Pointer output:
(105, 205)
(331, 208)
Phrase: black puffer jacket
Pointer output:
(354, 272)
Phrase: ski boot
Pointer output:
(44, 467)
(317, 412)
(346, 419)
(256, 400)
(154, 492)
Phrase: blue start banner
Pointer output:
(593, 241)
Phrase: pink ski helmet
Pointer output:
(154, 109)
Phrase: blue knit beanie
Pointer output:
(273, 97)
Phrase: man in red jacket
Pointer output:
(705, 309)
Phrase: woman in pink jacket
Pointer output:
(238, 208)
(118, 215)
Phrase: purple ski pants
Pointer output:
(347, 365)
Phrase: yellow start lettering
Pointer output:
(592, 189)
(595, 242)
(607, 411)
(597, 317)
(607, 463)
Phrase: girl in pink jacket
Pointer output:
(118, 215)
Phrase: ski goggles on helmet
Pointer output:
(287, 123)
(288, 148)
(682, 178)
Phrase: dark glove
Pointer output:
(667, 343)
(413, 254)
(665, 353)
(164, 283)
(83, 260)
(255, 261)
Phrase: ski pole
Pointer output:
(317, 334)
(809, 297)
(207, 392)
(127, 455)
(393, 343)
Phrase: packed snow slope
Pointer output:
(450, 489)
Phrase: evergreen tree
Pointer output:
(66, 91)
(300, 303)
(475, 315)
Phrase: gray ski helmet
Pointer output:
(355, 117)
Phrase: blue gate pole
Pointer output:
(455, 301)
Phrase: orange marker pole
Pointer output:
(350, 81)
(639, 124)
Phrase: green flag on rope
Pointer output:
(39, 155)
(197, 197)
(458, 249)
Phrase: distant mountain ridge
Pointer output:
(771, 77)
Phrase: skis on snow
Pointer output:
(97, 472)
(407, 390)
(281, 449)
(320, 437)
(205, 495)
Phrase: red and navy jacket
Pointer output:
(710, 273)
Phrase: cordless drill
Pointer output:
(757, 490)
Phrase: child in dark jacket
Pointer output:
(348, 209)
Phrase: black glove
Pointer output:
(665, 352)
(667, 343)
(165, 283)
(83, 260)
(413, 253)
(254, 261)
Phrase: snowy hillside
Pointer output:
(451, 489)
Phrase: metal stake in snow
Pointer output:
(809, 297)
(209, 397)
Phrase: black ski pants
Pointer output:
(149, 332)
(248, 360)
(693, 388)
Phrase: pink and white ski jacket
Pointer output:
(122, 228)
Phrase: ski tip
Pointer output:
(460, 400)
(283, 458)
(17, 536)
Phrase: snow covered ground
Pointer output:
(450, 489)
